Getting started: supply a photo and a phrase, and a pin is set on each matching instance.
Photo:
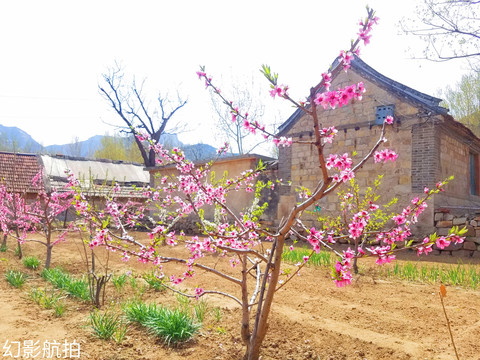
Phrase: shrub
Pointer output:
(31, 262)
(16, 278)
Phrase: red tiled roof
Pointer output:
(18, 170)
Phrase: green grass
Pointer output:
(119, 281)
(457, 275)
(138, 311)
(107, 325)
(3, 248)
(217, 314)
(31, 262)
(173, 326)
(62, 280)
(48, 300)
(16, 278)
(323, 258)
(154, 282)
(200, 309)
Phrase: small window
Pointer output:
(382, 112)
(474, 175)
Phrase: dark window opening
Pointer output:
(382, 112)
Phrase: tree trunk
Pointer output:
(355, 265)
(20, 252)
(49, 257)
(263, 310)
(4, 242)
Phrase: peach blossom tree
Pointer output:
(254, 251)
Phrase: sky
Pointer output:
(55, 52)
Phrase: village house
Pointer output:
(17, 171)
(95, 175)
(239, 201)
(430, 143)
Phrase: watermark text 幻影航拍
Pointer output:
(31, 349)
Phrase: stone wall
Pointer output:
(445, 219)
(358, 133)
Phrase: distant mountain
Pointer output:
(16, 140)
(84, 148)
(198, 152)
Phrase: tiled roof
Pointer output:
(413, 96)
(18, 170)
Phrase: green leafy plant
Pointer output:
(323, 258)
(200, 308)
(119, 281)
(3, 248)
(16, 278)
(217, 314)
(138, 311)
(75, 287)
(31, 262)
(457, 275)
(154, 282)
(107, 325)
(48, 299)
(183, 302)
(221, 330)
(59, 308)
(173, 326)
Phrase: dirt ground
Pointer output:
(311, 318)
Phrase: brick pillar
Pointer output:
(425, 156)
(285, 168)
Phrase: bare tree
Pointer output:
(134, 109)
(75, 147)
(450, 28)
(247, 97)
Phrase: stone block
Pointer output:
(442, 231)
(470, 231)
(448, 217)
(439, 216)
(476, 254)
(459, 221)
(473, 223)
(469, 245)
(462, 253)
(476, 240)
(444, 224)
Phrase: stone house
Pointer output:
(237, 201)
(430, 143)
